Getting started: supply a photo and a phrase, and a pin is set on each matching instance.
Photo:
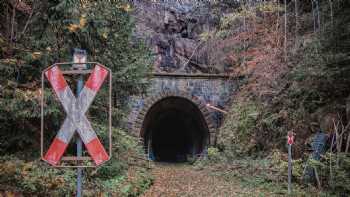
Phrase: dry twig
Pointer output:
(28, 21)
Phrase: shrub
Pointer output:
(334, 172)
(238, 129)
(35, 177)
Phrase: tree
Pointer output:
(296, 9)
(103, 28)
(285, 29)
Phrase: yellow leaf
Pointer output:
(10, 61)
(10, 194)
(73, 27)
(82, 22)
(105, 35)
(38, 93)
(126, 7)
(36, 55)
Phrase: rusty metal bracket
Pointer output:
(216, 108)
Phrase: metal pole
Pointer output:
(289, 169)
(79, 145)
(79, 57)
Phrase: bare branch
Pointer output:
(28, 21)
(21, 6)
(285, 30)
(330, 162)
(13, 22)
(347, 143)
(318, 179)
(194, 51)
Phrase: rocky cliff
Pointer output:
(174, 31)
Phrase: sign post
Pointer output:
(290, 141)
(76, 119)
(75, 107)
(79, 57)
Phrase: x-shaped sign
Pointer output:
(76, 119)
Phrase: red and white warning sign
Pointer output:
(290, 138)
(76, 120)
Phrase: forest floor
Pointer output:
(174, 180)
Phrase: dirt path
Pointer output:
(183, 180)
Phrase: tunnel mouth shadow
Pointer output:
(174, 130)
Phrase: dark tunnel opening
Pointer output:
(174, 129)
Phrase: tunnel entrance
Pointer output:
(174, 129)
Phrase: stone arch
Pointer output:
(139, 123)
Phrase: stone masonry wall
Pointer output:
(216, 91)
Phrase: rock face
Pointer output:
(172, 30)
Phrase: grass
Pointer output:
(260, 176)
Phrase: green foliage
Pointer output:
(112, 184)
(269, 6)
(318, 78)
(322, 63)
(36, 177)
(235, 19)
(103, 28)
(123, 144)
(238, 129)
(223, 33)
(213, 153)
(135, 188)
(267, 174)
(111, 170)
(206, 35)
(230, 21)
(333, 171)
(121, 186)
(214, 157)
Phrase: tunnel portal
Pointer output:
(173, 129)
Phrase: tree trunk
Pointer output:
(348, 108)
(296, 4)
(313, 15)
(331, 7)
(277, 23)
(8, 23)
(285, 30)
(245, 31)
(12, 30)
(347, 143)
(318, 15)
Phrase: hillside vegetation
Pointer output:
(294, 59)
(36, 34)
(291, 58)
